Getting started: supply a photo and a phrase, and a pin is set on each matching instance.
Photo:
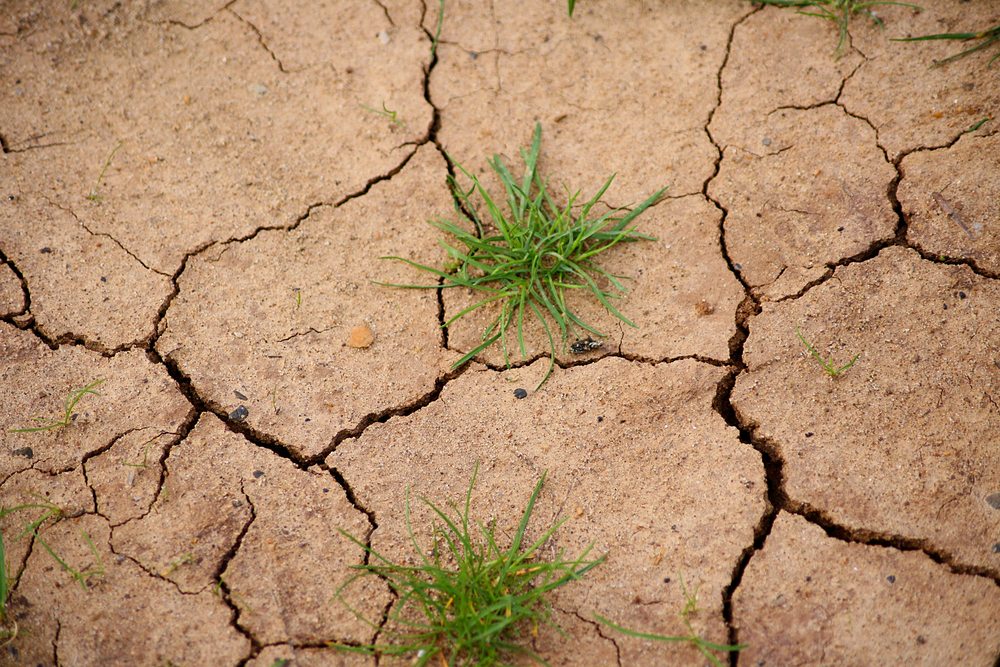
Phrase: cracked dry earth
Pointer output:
(218, 274)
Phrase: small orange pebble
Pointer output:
(186, 99)
(361, 337)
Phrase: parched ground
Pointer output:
(194, 198)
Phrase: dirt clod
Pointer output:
(361, 337)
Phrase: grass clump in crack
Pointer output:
(838, 12)
(527, 258)
(467, 599)
(69, 408)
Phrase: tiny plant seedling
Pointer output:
(838, 12)
(50, 513)
(437, 30)
(527, 258)
(570, 6)
(393, 116)
(74, 397)
(467, 599)
(986, 38)
(94, 195)
(690, 608)
(829, 367)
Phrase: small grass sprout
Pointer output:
(528, 257)
(986, 38)
(49, 513)
(838, 12)
(690, 608)
(74, 397)
(4, 594)
(829, 367)
(437, 30)
(570, 6)
(468, 600)
(94, 195)
(393, 116)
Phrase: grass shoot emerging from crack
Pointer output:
(690, 608)
(50, 514)
(829, 367)
(986, 38)
(838, 12)
(468, 599)
(528, 257)
(74, 397)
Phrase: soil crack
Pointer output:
(260, 38)
(225, 593)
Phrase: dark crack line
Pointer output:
(226, 592)
(119, 244)
(299, 334)
(25, 293)
(747, 309)
(97, 452)
(55, 643)
(181, 24)
(260, 38)
(182, 433)
(597, 628)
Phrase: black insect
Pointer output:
(585, 345)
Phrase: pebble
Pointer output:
(361, 337)
(259, 89)
(239, 414)
(993, 500)
(520, 393)
(26, 452)
(383, 37)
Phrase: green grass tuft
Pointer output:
(838, 12)
(829, 367)
(74, 397)
(527, 257)
(468, 600)
(986, 38)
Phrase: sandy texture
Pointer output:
(194, 201)
(83, 284)
(11, 295)
(951, 198)
(118, 603)
(808, 599)
(280, 339)
(35, 381)
(760, 78)
(811, 191)
(912, 104)
(592, 429)
(590, 82)
(904, 442)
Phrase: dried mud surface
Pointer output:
(194, 198)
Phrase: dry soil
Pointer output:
(195, 198)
